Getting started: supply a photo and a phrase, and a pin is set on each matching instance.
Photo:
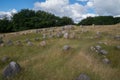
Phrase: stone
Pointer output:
(117, 37)
(118, 47)
(66, 47)
(104, 52)
(44, 36)
(27, 40)
(37, 39)
(18, 43)
(83, 77)
(106, 61)
(43, 43)
(11, 69)
(98, 47)
(72, 36)
(9, 43)
(59, 34)
(29, 43)
(5, 59)
(66, 36)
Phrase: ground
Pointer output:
(52, 63)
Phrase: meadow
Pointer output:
(52, 63)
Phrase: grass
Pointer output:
(52, 63)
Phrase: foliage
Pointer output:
(30, 19)
(100, 20)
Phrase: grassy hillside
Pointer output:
(52, 63)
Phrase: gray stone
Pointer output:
(66, 36)
(66, 47)
(117, 37)
(37, 39)
(12, 69)
(19, 43)
(83, 77)
(106, 61)
(43, 43)
(9, 43)
(29, 43)
(118, 47)
(98, 47)
(104, 52)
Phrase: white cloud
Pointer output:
(62, 8)
(7, 14)
(83, 0)
(107, 7)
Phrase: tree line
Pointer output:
(30, 19)
(100, 20)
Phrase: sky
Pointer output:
(75, 9)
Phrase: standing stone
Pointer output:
(83, 77)
(12, 69)
(66, 36)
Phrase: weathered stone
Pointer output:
(43, 43)
(98, 47)
(66, 36)
(29, 43)
(106, 61)
(19, 43)
(37, 39)
(9, 43)
(118, 47)
(117, 37)
(12, 69)
(83, 77)
(66, 47)
(104, 52)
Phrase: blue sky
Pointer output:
(75, 9)
(6, 5)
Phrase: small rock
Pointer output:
(12, 69)
(118, 47)
(104, 52)
(106, 61)
(9, 43)
(98, 47)
(43, 43)
(37, 39)
(83, 77)
(66, 36)
(30, 43)
(66, 47)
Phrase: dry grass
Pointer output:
(52, 63)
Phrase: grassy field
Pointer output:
(52, 63)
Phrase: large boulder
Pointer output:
(83, 77)
(11, 69)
